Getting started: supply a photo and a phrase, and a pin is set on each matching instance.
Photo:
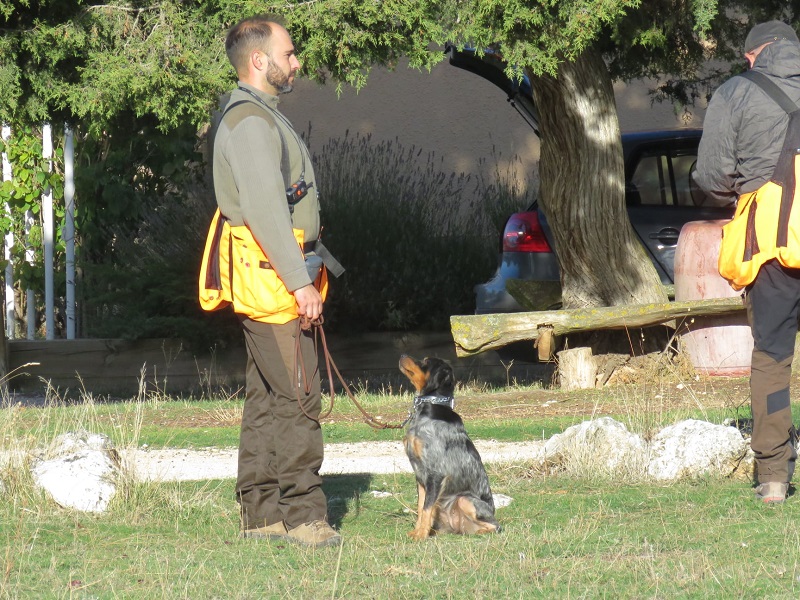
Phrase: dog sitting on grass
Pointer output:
(453, 488)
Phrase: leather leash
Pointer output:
(305, 324)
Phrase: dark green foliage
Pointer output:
(22, 197)
(143, 217)
(86, 61)
(145, 283)
(124, 175)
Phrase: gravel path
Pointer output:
(363, 457)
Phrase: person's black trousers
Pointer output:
(773, 300)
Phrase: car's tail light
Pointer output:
(523, 233)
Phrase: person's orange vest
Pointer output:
(766, 225)
(236, 272)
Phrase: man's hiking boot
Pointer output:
(772, 492)
(272, 532)
(316, 533)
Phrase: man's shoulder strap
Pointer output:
(772, 90)
(784, 173)
(267, 117)
(233, 105)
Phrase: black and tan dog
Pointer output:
(454, 493)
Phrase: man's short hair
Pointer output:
(247, 36)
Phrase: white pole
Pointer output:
(8, 244)
(47, 225)
(69, 227)
(30, 297)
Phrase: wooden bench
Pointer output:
(474, 334)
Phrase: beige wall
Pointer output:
(457, 115)
(638, 113)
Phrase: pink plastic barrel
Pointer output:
(720, 345)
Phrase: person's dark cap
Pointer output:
(771, 31)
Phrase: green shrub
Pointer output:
(145, 284)
(413, 238)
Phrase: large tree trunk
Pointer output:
(583, 190)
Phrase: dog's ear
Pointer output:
(441, 380)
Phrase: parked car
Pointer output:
(659, 193)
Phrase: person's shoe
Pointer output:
(772, 492)
(316, 533)
(272, 532)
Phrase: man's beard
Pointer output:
(278, 79)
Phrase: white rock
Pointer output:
(501, 500)
(605, 445)
(695, 448)
(80, 471)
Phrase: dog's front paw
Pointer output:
(419, 534)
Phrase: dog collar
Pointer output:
(445, 400)
(420, 400)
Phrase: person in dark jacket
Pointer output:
(742, 139)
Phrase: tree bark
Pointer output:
(583, 190)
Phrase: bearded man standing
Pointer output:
(266, 190)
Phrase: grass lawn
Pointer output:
(563, 537)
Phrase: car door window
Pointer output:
(651, 180)
(662, 198)
(682, 172)
(664, 179)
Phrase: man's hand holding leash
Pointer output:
(309, 302)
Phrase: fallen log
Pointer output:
(474, 334)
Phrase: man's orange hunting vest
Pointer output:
(235, 271)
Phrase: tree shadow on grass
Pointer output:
(340, 489)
